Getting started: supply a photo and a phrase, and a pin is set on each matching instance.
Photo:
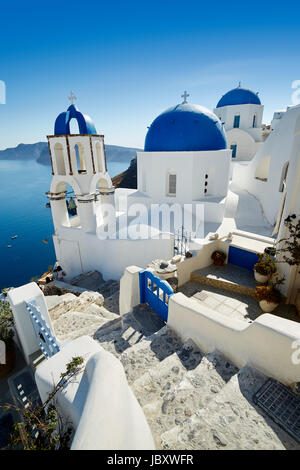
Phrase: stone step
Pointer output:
(222, 284)
(132, 336)
(157, 381)
(149, 352)
(231, 421)
(196, 389)
(120, 334)
(71, 325)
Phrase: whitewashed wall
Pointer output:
(246, 111)
(266, 344)
(279, 147)
(189, 167)
(79, 252)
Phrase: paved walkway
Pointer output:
(247, 212)
(233, 305)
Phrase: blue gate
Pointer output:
(155, 292)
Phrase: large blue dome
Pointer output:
(185, 127)
(238, 96)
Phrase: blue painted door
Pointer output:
(155, 292)
(244, 259)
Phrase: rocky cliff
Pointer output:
(128, 178)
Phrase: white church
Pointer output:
(185, 163)
(189, 156)
(241, 112)
(194, 173)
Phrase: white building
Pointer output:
(289, 191)
(241, 112)
(265, 176)
(185, 165)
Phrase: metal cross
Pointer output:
(185, 96)
(72, 97)
(239, 84)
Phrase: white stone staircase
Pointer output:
(193, 400)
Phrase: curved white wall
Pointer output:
(279, 147)
(112, 418)
(246, 145)
(266, 344)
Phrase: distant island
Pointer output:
(40, 153)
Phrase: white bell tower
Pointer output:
(77, 160)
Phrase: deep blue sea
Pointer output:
(23, 212)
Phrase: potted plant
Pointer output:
(6, 335)
(289, 247)
(264, 268)
(218, 258)
(268, 296)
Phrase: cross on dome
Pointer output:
(185, 96)
(72, 97)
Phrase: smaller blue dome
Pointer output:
(62, 123)
(185, 127)
(238, 96)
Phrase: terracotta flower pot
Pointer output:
(261, 278)
(218, 262)
(5, 369)
(267, 307)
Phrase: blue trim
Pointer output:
(46, 340)
(151, 295)
(238, 96)
(243, 258)
(62, 123)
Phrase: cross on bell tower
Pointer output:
(185, 96)
(72, 97)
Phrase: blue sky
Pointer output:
(126, 61)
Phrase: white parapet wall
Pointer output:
(269, 344)
(118, 421)
(129, 289)
(23, 324)
(98, 401)
(203, 259)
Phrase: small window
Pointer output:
(236, 122)
(254, 121)
(172, 185)
(234, 149)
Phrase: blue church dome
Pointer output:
(62, 123)
(238, 96)
(185, 127)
